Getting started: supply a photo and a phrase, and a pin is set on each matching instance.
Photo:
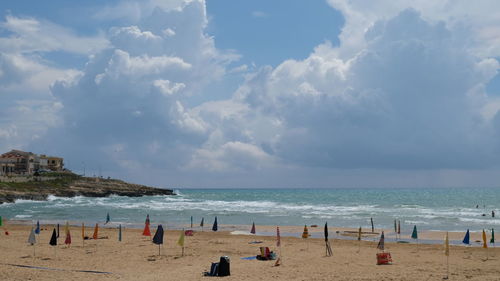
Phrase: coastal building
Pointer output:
(18, 162)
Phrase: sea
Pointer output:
(440, 209)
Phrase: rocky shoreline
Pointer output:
(72, 185)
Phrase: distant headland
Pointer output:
(25, 175)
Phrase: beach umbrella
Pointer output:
(305, 233)
(120, 233)
(485, 245)
(180, 242)
(399, 228)
(202, 223)
(191, 221)
(1, 222)
(414, 234)
(83, 234)
(96, 232)
(373, 229)
(146, 231)
(327, 243)
(253, 228)
(359, 234)
(447, 253)
(32, 240)
(37, 230)
(395, 227)
(466, 238)
(57, 230)
(158, 238)
(67, 241)
(381, 242)
(214, 227)
(108, 219)
(492, 240)
(53, 238)
(147, 219)
(278, 244)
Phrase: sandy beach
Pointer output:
(136, 257)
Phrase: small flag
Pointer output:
(485, 245)
(492, 240)
(447, 245)
(108, 219)
(399, 227)
(381, 242)
(466, 238)
(96, 232)
(253, 228)
(32, 238)
(191, 221)
(305, 234)
(37, 230)
(158, 238)
(414, 234)
(83, 231)
(215, 227)
(359, 234)
(120, 233)
(202, 222)
(53, 239)
(180, 242)
(278, 237)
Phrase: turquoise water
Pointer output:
(430, 209)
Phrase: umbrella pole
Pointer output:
(159, 249)
(182, 252)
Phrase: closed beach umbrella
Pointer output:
(485, 245)
(215, 227)
(53, 238)
(96, 232)
(373, 229)
(191, 221)
(32, 238)
(146, 231)
(108, 219)
(305, 233)
(278, 237)
(466, 238)
(381, 242)
(253, 228)
(395, 227)
(359, 234)
(57, 230)
(158, 237)
(180, 242)
(37, 230)
(414, 234)
(399, 227)
(492, 240)
(446, 245)
(327, 243)
(67, 241)
(147, 219)
(202, 223)
(120, 233)
(1, 222)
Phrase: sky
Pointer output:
(256, 94)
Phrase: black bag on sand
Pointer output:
(224, 266)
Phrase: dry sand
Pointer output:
(136, 258)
